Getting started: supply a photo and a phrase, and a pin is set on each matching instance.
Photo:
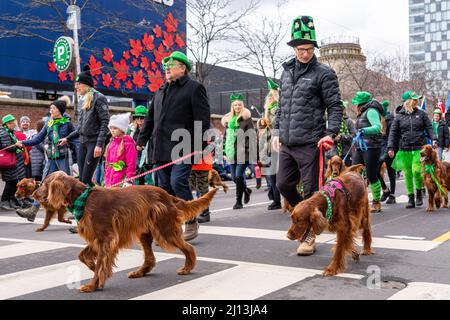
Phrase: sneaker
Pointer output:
(14, 205)
(73, 230)
(4, 205)
(391, 200)
(204, 217)
(274, 206)
(29, 213)
(308, 246)
(385, 195)
(191, 231)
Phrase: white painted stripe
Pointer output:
(245, 206)
(413, 245)
(37, 279)
(65, 244)
(423, 291)
(40, 221)
(405, 237)
(20, 249)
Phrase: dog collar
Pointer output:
(78, 206)
(429, 168)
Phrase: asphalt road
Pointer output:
(242, 254)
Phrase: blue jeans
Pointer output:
(51, 166)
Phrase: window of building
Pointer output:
(428, 56)
(438, 56)
(444, 65)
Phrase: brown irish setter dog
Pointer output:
(441, 172)
(114, 218)
(25, 188)
(215, 180)
(350, 214)
(335, 167)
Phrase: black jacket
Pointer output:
(407, 132)
(443, 138)
(175, 106)
(373, 141)
(303, 102)
(93, 123)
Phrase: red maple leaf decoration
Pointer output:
(107, 79)
(158, 74)
(155, 83)
(107, 55)
(136, 47)
(71, 76)
(159, 54)
(171, 23)
(138, 79)
(95, 66)
(51, 66)
(157, 31)
(116, 84)
(179, 41)
(128, 85)
(121, 69)
(134, 62)
(154, 66)
(168, 40)
(95, 83)
(126, 55)
(62, 76)
(148, 42)
(145, 63)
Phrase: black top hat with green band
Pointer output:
(303, 32)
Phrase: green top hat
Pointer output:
(236, 97)
(410, 95)
(303, 32)
(179, 56)
(272, 85)
(361, 97)
(7, 118)
(140, 111)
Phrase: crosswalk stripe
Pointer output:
(247, 205)
(423, 291)
(37, 279)
(24, 248)
(383, 243)
(10, 219)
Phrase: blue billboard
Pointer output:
(123, 41)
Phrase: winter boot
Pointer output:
(191, 231)
(239, 192)
(29, 213)
(391, 199)
(411, 203)
(419, 200)
(308, 246)
(204, 217)
(385, 195)
(247, 193)
(274, 206)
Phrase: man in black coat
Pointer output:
(309, 89)
(176, 105)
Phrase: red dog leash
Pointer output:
(325, 146)
(157, 169)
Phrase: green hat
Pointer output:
(437, 111)
(140, 111)
(410, 95)
(236, 97)
(179, 56)
(7, 118)
(272, 84)
(361, 97)
(303, 32)
(385, 104)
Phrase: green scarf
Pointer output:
(13, 137)
(78, 206)
(273, 105)
(436, 128)
(55, 124)
(429, 168)
(344, 131)
(230, 150)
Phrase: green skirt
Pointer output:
(407, 160)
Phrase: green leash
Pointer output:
(78, 206)
(429, 168)
(329, 205)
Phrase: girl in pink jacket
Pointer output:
(121, 153)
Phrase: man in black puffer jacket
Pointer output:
(308, 91)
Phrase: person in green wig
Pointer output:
(441, 132)
(265, 127)
(388, 193)
(408, 136)
(309, 90)
(368, 124)
(10, 176)
(236, 123)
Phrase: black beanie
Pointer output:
(85, 77)
(61, 105)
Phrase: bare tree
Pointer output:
(263, 44)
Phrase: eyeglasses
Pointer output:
(303, 50)
(169, 65)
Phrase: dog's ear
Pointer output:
(318, 222)
(342, 166)
(57, 192)
(433, 156)
(328, 172)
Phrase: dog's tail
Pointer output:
(191, 209)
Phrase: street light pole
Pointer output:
(73, 23)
